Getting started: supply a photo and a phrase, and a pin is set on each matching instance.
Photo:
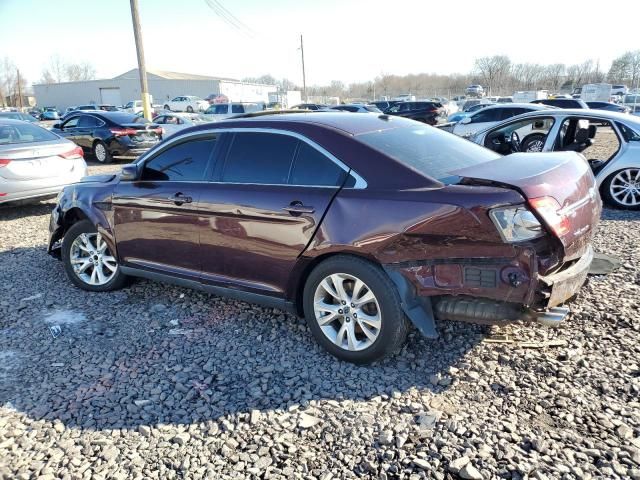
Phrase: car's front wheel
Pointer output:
(190, 109)
(88, 262)
(621, 189)
(101, 152)
(354, 310)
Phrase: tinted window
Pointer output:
(72, 122)
(489, 115)
(87, 121)
(123, 117)
(181, 163)
(24, 133)
(313, 168)
(628, 134)
(262, 158)
(427, 150)
(237, 109)
(217, 109)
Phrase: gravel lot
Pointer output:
(157, 381)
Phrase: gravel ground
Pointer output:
(157, 381)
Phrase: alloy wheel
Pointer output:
(101, 152)
(535, 146)
(347, 311)
(91, 259)
(625, 187)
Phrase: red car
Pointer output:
(361, 223)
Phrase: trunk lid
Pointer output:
(37, 160)
(143, 133)
(565, 177)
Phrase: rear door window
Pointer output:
(88, 122)
(489, 115)
(312, 167)
(259, 158)
(184, 162)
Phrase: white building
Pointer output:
(163, 86)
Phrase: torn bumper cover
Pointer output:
(487, 292)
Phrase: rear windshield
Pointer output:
(428, 150)
(24, 133)
(122, 118)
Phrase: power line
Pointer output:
(229, 18)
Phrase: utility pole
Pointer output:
(19, 89)
(142, 69)
(304, 79)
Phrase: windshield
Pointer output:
(632, 99)
(428, 150)
(24, 133)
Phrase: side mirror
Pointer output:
(465, 120)
(129, 172)
(57, 126)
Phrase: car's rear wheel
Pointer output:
(166, 107)
(88, 262)
(190, 109)
(354, 310)
(621, 189)
(101, 152)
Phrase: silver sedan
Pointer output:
(36, 163)
(609, 141)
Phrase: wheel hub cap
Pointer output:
(625, 187)
(91, 259)
(347, 312)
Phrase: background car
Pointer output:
(474, 91)
(93, 106)
(25, 117)
(611, 107)
(562, 102)
(619, 90)
(491, 115)
(259, 208)
(109, 135)
(50, 115)
(310, 106)
(457, 116)
(430, 113)
(357, 108)
(610, 142)
(219, 111)
(187, 103)
(174, 122)
(35, 163)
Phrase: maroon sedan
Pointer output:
(361, 223)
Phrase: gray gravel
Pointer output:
(157, 381)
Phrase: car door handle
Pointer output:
(179, 199)
(297, 208)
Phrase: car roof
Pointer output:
(335, 120)
(533, 106)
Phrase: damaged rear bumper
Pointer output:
(489, 291)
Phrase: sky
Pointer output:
(347, 40)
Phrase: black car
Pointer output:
(427, 112)
(611, 107)
(107, 135)
(385, 105)
(563, 102)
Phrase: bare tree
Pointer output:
(59, 70)
(493, 70)
(626, 68)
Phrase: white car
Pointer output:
(187, 103)
(174, 122)
(134, 106)
(492, 115)
(609, 141)
(219, 111)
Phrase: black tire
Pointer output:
(118, 280)
(189, 109)
(394, 325)
(101, 152)
(531, 140)
(605, 191)
(166, 107)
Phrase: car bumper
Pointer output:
(495, 291)
(16, 190)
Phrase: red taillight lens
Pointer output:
(121, 132)
(550, 210)
(75, 153)
(4, 162)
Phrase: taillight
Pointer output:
(121, 132)
(4, 162)
(75, 153)
(550, 210)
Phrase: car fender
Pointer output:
(627, 157)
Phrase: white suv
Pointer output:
(187, 103)
(218, 111)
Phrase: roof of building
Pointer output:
(164, 75)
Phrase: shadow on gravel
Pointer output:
(614, 214)
(157, 354)
(14, 211)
